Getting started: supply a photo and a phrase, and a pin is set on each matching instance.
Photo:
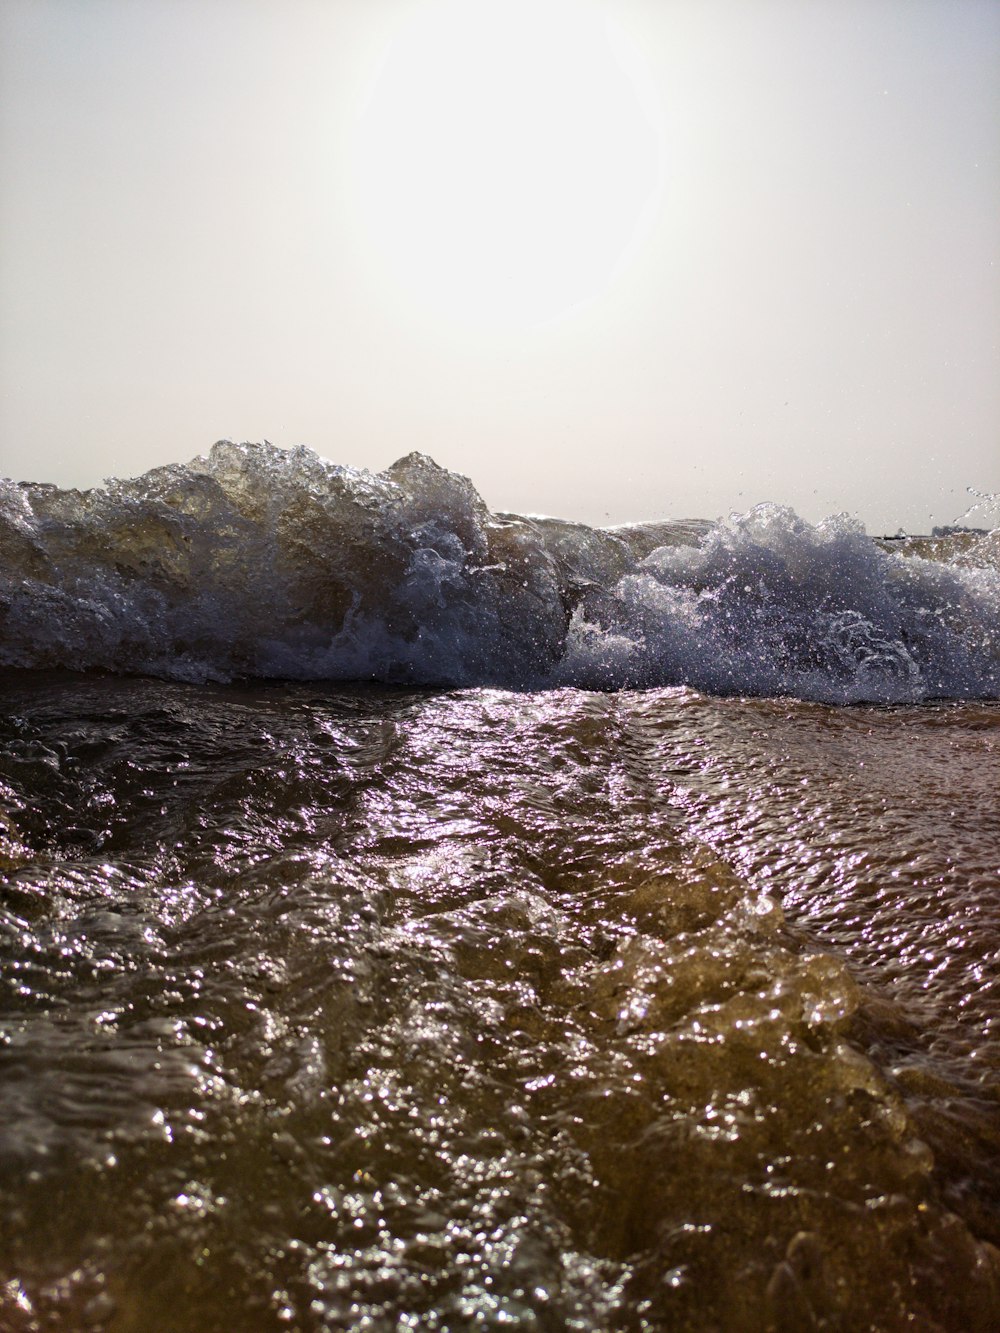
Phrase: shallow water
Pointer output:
(335, 1007)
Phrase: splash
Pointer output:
(261, 562)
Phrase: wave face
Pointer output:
(261, 562)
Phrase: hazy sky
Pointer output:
(613, 260)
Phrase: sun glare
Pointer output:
(507, 159)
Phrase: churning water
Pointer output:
(500, 993)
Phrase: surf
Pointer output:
(261, 563)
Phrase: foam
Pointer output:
(263, 562)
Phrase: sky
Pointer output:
(613, 259)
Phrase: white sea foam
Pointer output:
(262, 562)
(772, 605)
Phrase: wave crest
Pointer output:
(263, 562)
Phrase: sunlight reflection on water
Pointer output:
(382, 1009)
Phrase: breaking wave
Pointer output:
(261, 562)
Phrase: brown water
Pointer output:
(330, 1008)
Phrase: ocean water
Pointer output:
(418, 918)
